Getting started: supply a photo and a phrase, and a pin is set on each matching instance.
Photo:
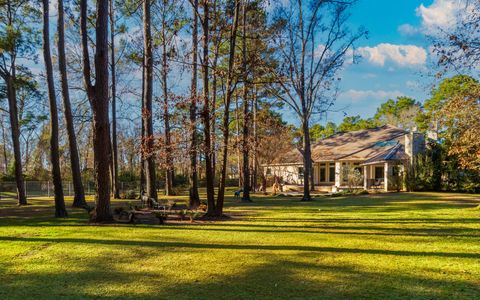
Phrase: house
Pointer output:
(370, 159)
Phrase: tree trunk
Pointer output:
(206, 115)
(60, 211)
(194, 198)
(237, 130)
(255, 141)
(98, 97)
(166, 117)
(79, 198)
(216, 47)
(115, 185)
(226, 118)
(15, 129)
(142, 157)
(307, 158)
(4, 147)
(148, 141)
(246, 112)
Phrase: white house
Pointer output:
(380, 155)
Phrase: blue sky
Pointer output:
(395, 57)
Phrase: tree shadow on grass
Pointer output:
(278, 277)
(180, 244)
(286, 279)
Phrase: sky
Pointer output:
(395, 58)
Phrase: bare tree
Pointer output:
(313, 42)
(115, 186)
(206, 114)
(79, 198)
(194, 198)
(98, 97)
(246, 110)
(148, 138)
(457, 46)
(226, 112)
(60, 211)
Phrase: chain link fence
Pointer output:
(45, 188)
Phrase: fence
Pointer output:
(45, 188)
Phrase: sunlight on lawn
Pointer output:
(423, 245)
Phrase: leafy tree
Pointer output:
(18, 38)
(318, 132)
(401, 112)
(353, 123)
(448, 88)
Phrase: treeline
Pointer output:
(152, 89)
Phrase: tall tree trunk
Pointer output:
(307, 158)
(246, 110)
(60, 211)
(115, 185)
(148, 141)
(166, 116)
(216, 40)
(226, 117)
(79, 198)
(98, 97)
(255, 141)
(4, 147)
(142, 157)
(206, 114)
(194, 198)
(237, 131)
(15, 130)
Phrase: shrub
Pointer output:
(130, 194)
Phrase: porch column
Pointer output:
(365, 176)
(338, 173)
(385, 176)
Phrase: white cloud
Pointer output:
(407, 29)
(402, 55)
(357, 95)
(438, 16)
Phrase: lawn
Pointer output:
(391, 246)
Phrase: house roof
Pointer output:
(353, 145)
(395, 153)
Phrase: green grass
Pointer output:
(392, 246)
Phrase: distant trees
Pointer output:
(401, 112)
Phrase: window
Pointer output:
(269, 171)
(300, 172)
(331, 173)
(323, 174)
(379, 173)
